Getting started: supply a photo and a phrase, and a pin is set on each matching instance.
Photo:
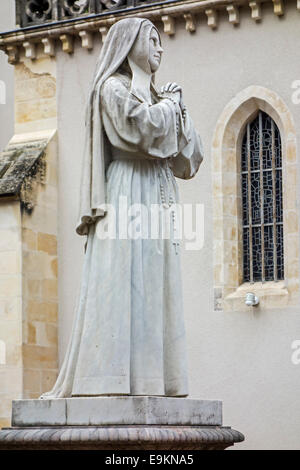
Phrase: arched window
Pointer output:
(262, 215)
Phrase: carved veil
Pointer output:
(116, 48)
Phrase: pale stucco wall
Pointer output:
(242, 358)
(7, 22)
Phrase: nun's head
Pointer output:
(155, 50)
(146, 51)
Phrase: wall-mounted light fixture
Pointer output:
(251, 299)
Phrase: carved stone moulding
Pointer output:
(12, 54)
(169, 24)
(278, 7)
(118, 423)
(255, 10)
(86, 39)
(233, 14)
(119, 438)
(37, 11)
(30, 49)
(212, 18)
(190, 22)
(31, 12)
(49, 46)
(103, 13)
(21, 165)
(75, 7)
(67, 43)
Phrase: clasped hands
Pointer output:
(173, 91)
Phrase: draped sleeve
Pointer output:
(153, 131)
(187, 161)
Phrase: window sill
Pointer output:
(271, 294)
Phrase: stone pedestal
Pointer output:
(118, 423)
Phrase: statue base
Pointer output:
(118, 423)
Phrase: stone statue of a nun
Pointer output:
(128, 334)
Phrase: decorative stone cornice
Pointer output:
(212, 18)
(278, 7)
(67, 43)
(233, 13)
(190, 22)
(169, 24)
(119, 437)
(49, 47)
(87, 26)
(255, 10)
(20, 165)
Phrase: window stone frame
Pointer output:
(229, 288)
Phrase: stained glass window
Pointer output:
(261, 182)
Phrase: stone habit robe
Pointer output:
(128, 333)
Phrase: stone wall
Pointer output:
(39, 283)
(11, 377)
(35, 95)
(28, 280)
(28, 262)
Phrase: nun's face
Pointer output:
(155, 50)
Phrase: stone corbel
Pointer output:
(169, 24)
(13, 54)
(103, 30)
(49, 46)
(86, 40)
(255, 10)
(67, 43)
(30, 50)
(212, 18)
(233, 14)
(190, 23)
(278, 7)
